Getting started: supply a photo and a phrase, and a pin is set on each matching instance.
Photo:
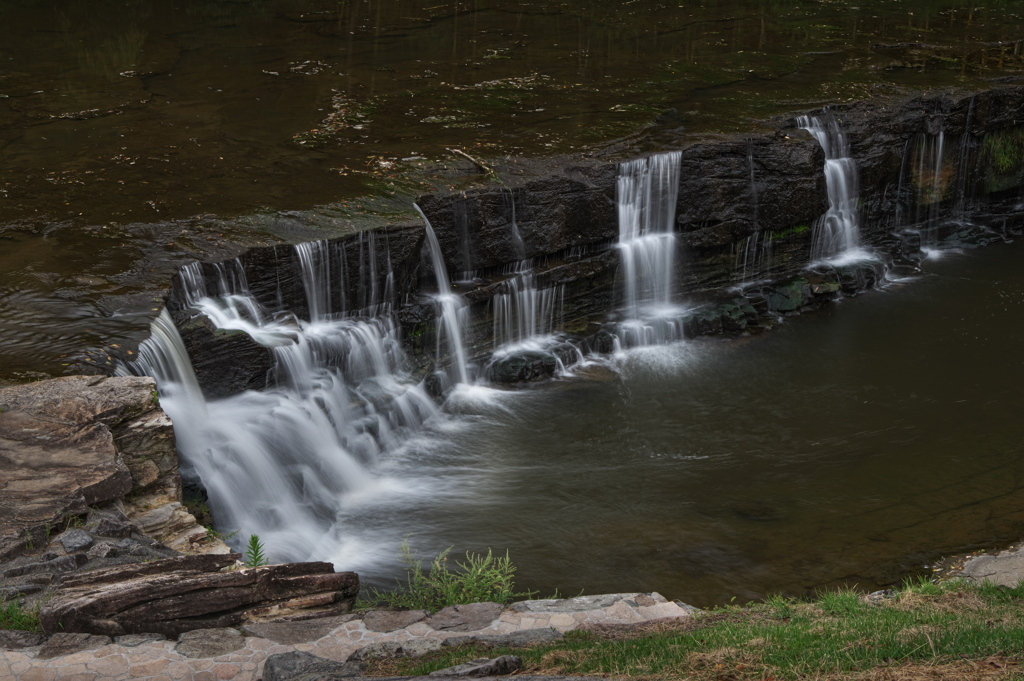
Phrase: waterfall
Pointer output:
(646, 194)
(454, 311)
(315, 270)
(837, 232)
(524, 312)
(751, 256)
(285, 463)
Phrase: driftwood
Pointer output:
(182, 594)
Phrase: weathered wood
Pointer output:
(192, 592)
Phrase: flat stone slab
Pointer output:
(585, 603)
(484, 666)
(417, 647)
(525, 638)
(302, 631)
(390, 620)
(299, 666)
(1004, 569)
(61, 645)
(470, 617)
(209, 642)
(13, 639)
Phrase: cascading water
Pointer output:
(524, 312)
(930, 179)
(315, 269)
(756, 251)
(837, 233)
(646, 194)
(454, 311)
(288, 462)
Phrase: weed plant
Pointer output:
(14, 615)
(480, 578)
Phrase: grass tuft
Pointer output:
(480, 578)
(14, 615)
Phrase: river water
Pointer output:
(849, 446)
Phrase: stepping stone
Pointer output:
(390, 649)
(391, 620)
(484, 666)
(209, 642)
(472, 617)
(13, 639)
(299, 666)
(302, 631)
(517, 639)
(67, 644)
(133, 640)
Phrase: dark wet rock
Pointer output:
(299, 666)
(61, 644)
(68, 563)
(523, 366)
(517, 639)
(571, 207)
(13, 639)
(225, 362)
(75, 540)
(602, 341)
(391, 649)
(703, 322)
(789, 296)
(9, 593)
(301, 631)
(469, 617)
(483, 666)
(110, 527)
(390, 620)
(200, 643)
(176, 595)
(134, 640)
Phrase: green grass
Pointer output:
(13, 615)
(480, 578)
(949, 631)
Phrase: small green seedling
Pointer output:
(254, 552)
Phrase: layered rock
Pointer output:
(193, 592)
(73, 442)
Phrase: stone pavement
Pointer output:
(1004, 569)
(240, 658)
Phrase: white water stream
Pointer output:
(287, 463)
(646, 194)
(837, 233)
